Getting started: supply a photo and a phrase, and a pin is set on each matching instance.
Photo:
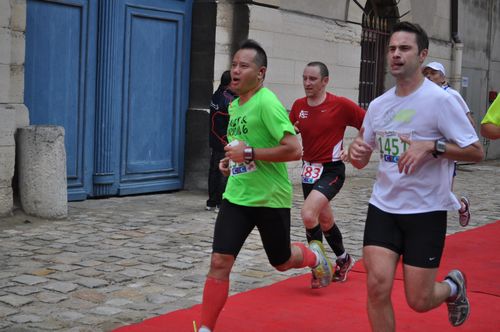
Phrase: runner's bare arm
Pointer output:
(490, 130)
(296, 127)
(410, 160)
(224, 166)
(288, 150)
(359, 151)
(473, 152)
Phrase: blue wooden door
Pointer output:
(154, 38)
(115, 75)
(60, 79)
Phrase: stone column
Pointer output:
(42, 171)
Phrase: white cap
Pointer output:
(436, 66)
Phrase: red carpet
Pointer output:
(291, 305)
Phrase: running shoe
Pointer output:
(343, 267)
(458, 306)
(464, 216)
(315, 282)
(322, 272)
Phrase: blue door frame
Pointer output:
(115, 75)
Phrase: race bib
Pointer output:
(391, 146)
(241, 168)
(311, 172)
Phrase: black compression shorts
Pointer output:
(235, 222)
(419, 237)
(331, 180)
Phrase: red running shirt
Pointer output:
(322, 127)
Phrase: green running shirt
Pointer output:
(262, 123)
(493, 114)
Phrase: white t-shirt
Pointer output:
(458, 98)
(429, 113)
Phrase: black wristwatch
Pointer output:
(248, 154)
(439, 147)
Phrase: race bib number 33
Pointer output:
(391, 146)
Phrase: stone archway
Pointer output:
(355, 8)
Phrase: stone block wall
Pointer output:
(292, 37)
(13, 113)
(291, 40)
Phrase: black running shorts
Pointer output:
(419, 237)
(235, 222)
(331, 180)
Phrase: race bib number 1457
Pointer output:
(391, 146)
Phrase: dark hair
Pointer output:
(422, 39)
(261, 57)
(323, 69)
(225, 78)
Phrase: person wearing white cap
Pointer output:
(435, 72)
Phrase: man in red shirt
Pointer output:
(321, 118)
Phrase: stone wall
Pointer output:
(294, 33)
(13, 113)
(292, 39)
(479, 29)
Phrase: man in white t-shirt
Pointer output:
(435, 72)
(418, 131)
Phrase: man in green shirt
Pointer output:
(490, 125)
(258, 193)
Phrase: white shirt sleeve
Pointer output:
(454, 125)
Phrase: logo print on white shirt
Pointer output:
(303, 114)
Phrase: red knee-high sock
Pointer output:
(215, 295)
(308, 256)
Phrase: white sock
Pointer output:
(343, 256)
(453, 286)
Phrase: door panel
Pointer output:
(151, 83)
(153, 103)
(59, 79)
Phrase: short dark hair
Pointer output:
(261, 57)
(225, 78)
(323, 69)
(422, 39)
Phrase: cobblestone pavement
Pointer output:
(118, 261)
